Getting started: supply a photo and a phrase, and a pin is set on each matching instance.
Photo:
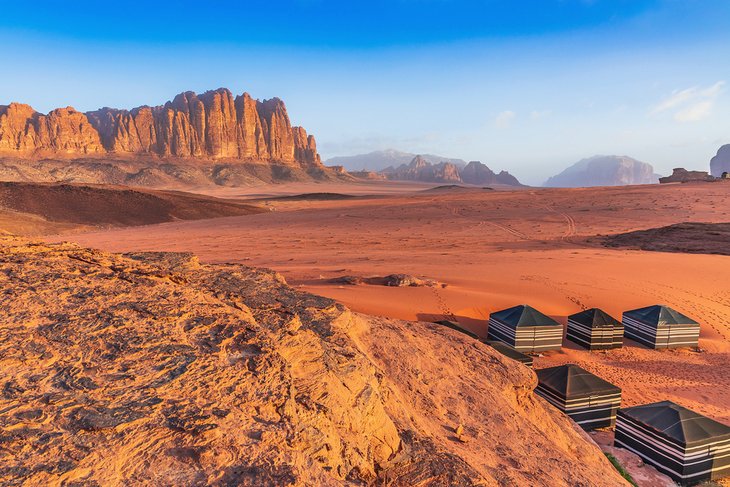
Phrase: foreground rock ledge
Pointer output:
(152, 368)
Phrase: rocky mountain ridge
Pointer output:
(210, 126)
(420, 169)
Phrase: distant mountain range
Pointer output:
(604, 171)
(405, 166)
(420, 169)
(382, 159)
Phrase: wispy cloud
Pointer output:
(504, 119)
(691, 104)
(538, 114)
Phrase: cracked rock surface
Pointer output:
(155, 369)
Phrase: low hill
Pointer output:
(604, 171)
(154, 369)
(25, 207)
(688, 237)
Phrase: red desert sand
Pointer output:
(492, 249)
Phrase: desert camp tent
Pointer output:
(586, 398)
(525, 329)
(661, 327)
(510, 352)
(683, 444)
(595, 329)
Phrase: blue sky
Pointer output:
(528, 86)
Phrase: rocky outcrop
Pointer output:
(210, 126)
(604, 171)
(63, 131)
(478, 174)
(420, 169)
(721, 162)
(155, 369)
(681, 175)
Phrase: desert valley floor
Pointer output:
(490, 249)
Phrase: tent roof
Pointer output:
(660, 314)
(596, 318)
(573, 381)
(677, 422)
(524, 315)
(508, 351)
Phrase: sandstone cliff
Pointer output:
(211, 126)
(46, 209)
(604, 171)
(154, 369)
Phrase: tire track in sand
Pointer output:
(571, 229)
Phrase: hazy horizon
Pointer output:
(529, 87)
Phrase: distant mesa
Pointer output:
(681, 175)
(378, 160)
(604, 171)
(721, 162)
(214, 127)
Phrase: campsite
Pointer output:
(296, 243)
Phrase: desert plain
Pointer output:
(475, 250)
(490, 249)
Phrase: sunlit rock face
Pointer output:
(213, 125)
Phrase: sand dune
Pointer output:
(34, 208)
(693, 238)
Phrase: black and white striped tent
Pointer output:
(525, 329)
(586, 398)
(595, 329)
(510, 352)
(683, 444)
(661, 327)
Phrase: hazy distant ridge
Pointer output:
(604, 171)
(382, 159)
